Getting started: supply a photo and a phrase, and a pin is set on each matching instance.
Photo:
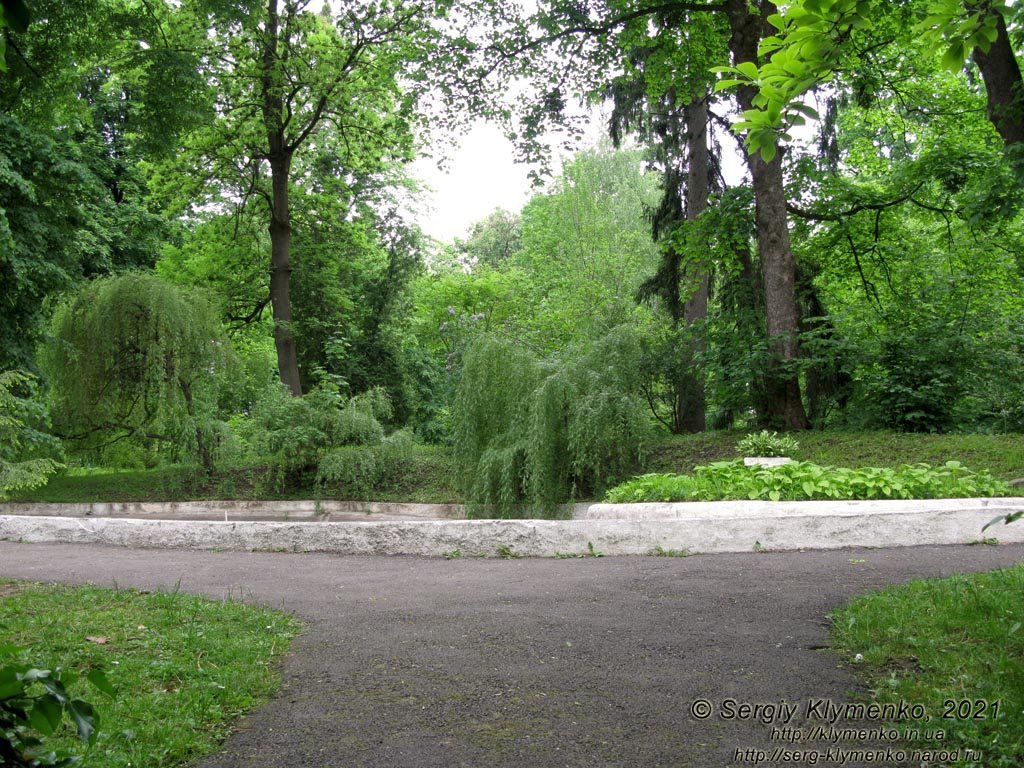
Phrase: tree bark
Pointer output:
(279, 156)
(691, 402)
(786, 408)
(1003, 87)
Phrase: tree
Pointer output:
(134, 359)
(492, 240)
(536, 48)
(290, 81)
(81, 107)
(18, 471)
(813, 39)
(663, 98)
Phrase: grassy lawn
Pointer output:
(430, 476)
(184, 667)
(954, 646)
(1002, 455)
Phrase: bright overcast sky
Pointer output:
(480, 177)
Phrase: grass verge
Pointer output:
(954, 646)
(184, 667)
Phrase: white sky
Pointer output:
(480, 177)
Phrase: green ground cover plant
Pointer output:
(954, 646)
(183, 667)
(807, 481)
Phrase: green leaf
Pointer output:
(101, 683)
(85, 719)
(953, 58)
(46, 715)
(749, 69)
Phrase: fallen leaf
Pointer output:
(98, 640)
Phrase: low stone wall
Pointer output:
(637, 529)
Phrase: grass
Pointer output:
(1002, 455)
(954, 646)
(184, 667)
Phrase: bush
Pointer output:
(359, 470)
(765, 443)
(541, 432)
(293, 436)
(806, 481)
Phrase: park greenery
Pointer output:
(807, 481)
(164, 674)
(213, 271)
(954, 646)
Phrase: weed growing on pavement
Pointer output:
(184, 667)
(591, 552)
(954, 646)
(660, 551)
(505, 552)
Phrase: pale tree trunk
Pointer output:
(691, 402)
(778, 267)
(280, 158)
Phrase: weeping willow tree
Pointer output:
(532, 433)
(135, 360)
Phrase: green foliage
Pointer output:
(360, 471)
(540, 432)
(293, 435)
(940, 643)
(806, 481)
(135, 360)
(36, 701)
(184, 667)
(765, 443)
(19, 468)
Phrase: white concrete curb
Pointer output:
(637, 529)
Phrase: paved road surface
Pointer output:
(421, 662)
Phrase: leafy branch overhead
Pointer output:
(813, 39)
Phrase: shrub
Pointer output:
(292, 434)
(541, 432)
(361, 469)
(36, 701)
(765, 443)
(806, 481)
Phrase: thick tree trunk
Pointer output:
(280, 277)
(280, 157)
(691, 402)
(786, 407)
(1003, 87)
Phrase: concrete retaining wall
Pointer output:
(638, 529)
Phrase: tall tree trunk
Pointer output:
(691, 402)
(280, 157)
(280, 276)
(1003, 87)
(786, 407)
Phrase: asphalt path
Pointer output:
(536, 662)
